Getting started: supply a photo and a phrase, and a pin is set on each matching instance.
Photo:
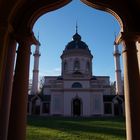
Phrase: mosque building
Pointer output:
(77, 91)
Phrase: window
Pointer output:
(57, 103)
(76, 85)
(76, 65)
(46, 107)
(107, 108)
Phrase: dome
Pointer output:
(76, 43)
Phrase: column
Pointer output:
(7, 89)
(18, 113)
(132, 89)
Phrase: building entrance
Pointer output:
(77, 107)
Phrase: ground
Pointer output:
(60, 128)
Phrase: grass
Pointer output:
(59, 128)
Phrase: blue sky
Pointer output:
(56, 28)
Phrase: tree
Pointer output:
(41, 84)
(113, 87)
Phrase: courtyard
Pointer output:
(76, 128)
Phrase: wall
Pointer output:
(85, 98)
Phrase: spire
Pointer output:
(76, 36)
(76, 27)
(116, 50)
(115, 36)
(38, 36)
(38, 39)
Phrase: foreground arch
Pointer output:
(16, 22)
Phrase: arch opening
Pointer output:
(76, 107)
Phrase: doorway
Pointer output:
(118, 111)
(77, 107)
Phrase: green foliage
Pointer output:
(113, 88)
(60, 128)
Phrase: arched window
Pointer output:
(76, 85)
(76, 65)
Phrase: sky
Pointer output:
(56, 28)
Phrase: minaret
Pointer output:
(34, 89)
(117, 70)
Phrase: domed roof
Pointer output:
(76, 43)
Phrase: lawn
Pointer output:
(59, 128)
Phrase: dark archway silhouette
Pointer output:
(17, 19)
(77, 107)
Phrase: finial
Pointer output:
(76, 27)
(38, 36)
(115, 38)
(38, 39)
(115, 34)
